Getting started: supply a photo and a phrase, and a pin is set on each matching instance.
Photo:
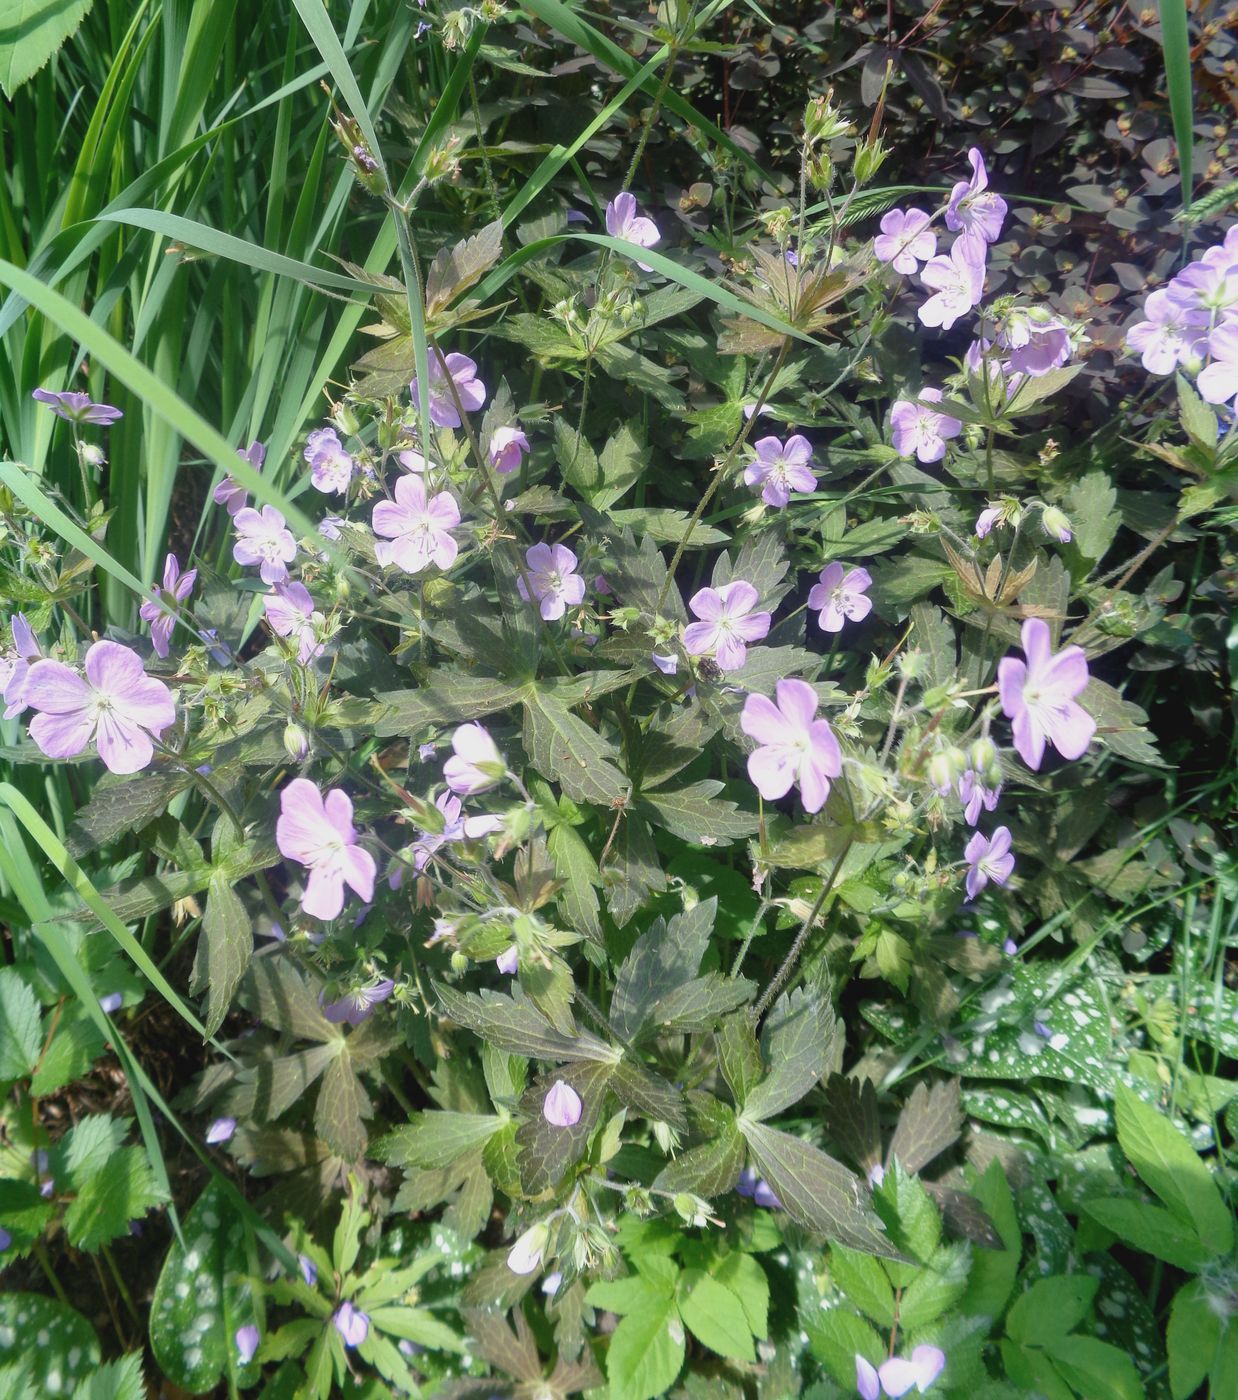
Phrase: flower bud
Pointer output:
(459, 962)
(526, 1254)
(983, 755)
(296, 742)
(820, 171)
(90, 454)
(869, 159)
(822, 121)
(1057, 525)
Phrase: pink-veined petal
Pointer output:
(798, 702)
(1072, 730)
(124, 746)
(64, 734)
(763, 721)
(53, 688)
(707, 604)
(1037, 645)
(700, 637)
(772, 771)
(359, 870)
(324, 892)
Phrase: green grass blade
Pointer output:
(1176, 46)
(326, 41)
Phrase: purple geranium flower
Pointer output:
(839, 597)
(1210, 284)
(973, 210)
(914, 427)
(176, 588)
(356, 1005)
(1038, 697)
(552, 577)
(417, 528)
(905, 240)
(899, 1374)
(247, 1339)
(15, 665)
(1042, 344)
(957, 281)
(265, 540)
(319, 833)
(77, 408)
(988, 859)
(331, 468)
(975, 796)
(309, 1270)
(1218, 382)
(990, 516)
(1171, 335)
(727, 623)
(457, 370)
(456, 827)
(781, 469)
(507, 449)
(352, 1324)
(113, 1001)
(476, 764)
(763, 1195)
(221, 1130)
(117, 705)
(623, 220)
(867, 1381)
(230, 493)
(795, 746)
(290, 613)
(561, 1106)
(508, 961)
(526, 1254)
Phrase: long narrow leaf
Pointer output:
(1176, 46)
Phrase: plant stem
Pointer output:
(788, 963)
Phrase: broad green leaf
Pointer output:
(634, 872)
(696, 813)
(1091, 506)
(865, 1283)
(797, 1043)
(646, 1351)
(710, 1170)
(564, 749)
(20, 1030)
(910, 1216)
(118, 805)
(993, 1271)
(203, 1295)
(1191, 1340)
(815, 1190)
(342, 1106)
(1173, 1169)
(649, 1094)
(436, 1139)
(56, 1343)
(23, 1213)
(661, 960)
(1050, 1308)
(936, 1287)
(122, 1189)
(576, 866)
(30, 32)
(673, 742)
(280, 996)
(931, 1121)
(1034, 1373)
(745, 1277)
(89, 1143)
(1120, 724)
(225, 946)
(739, 1056)
(547, 1151)
(698, 1005)
(837, 1336)
(1155, 1231)
(449, 697)
(1096, 1369)
(514, 1024)
(714, 1315)
(853, 1119)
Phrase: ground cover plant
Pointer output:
(618, 741)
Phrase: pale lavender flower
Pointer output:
(1171, 335)
(290, 613)
(176, 588)
(358, 1004)
(15, 665)
(867, 1382)
(552, 1283)
(329, 526)
(727, 623)
(117, 705)
(230, 493)
(309, 1270)
(795, 746)
(476, 764)
(508, 961)
(915, 427)
(957, 282)
(525, 1256)
(747, 1182)
(1045, 345)
(1056, 525)
(456, 827)
(5, 1239)
(318, 832)
(1038, 696)
(623, 220)
(265, 540)
(975, 796)
(112, 1002)
(247, 1339)
(988, 859)
(507, 448)
(562, 1107)
(331, 467)
(905, 240)
(780, 469)
(77, 408)
(352, 1324)
(763, 1195)
(412, 461)
(876, 1175)
(839, 597)
(899, 1374)
(1218, 382)
(973, 210)
(457, 370)
(1209, 284)
(417, 529)
(668, 665)
(221, 1130)
(987, 518)
(552, 577)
